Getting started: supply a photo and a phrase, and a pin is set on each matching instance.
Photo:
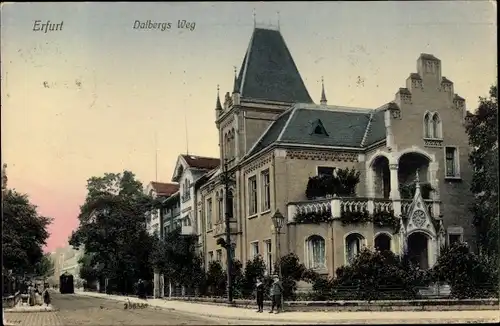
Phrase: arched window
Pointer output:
(353, 245)
(316, 256)
(230, 145)
(436, 126)
(383, 242)
(220, 206)
(427, 125)
(233, 144)
(230, 204)
(225, 147)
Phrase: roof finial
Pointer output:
(323, 95)
(278, 13)
(254, 18)
(235, 83)
(218, 105)
(417, 179)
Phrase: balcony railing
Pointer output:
(220, 227)
(337, 205)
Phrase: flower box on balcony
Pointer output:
(313, 217)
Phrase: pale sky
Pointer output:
(89, 99)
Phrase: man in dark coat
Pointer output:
(141, 289)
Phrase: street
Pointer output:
(76, 310)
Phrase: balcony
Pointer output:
(325, 210)
(220, 228)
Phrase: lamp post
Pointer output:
(278, 221)
(226, 180)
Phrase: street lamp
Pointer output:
(278, 221)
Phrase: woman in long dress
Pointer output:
(32, 295)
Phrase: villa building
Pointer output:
(411, 155)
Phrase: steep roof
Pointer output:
(201, 162)
(268, 71)
(311, 124)
(164, 189)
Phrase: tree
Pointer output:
(253, 269)
(469, 275)
(113, 231)
(482, 131)
(216, 279)
(24, 231)
(175, 256)
(45, 267)
(292, 270)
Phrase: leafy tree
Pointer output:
(113, 231)
(238, 278)
(469, 275)
(216, 279)
(254, 269)
(292, 270)
(24, 231)
(45, 267)
(482, 131)
(176, 257)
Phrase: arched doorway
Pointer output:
(383, 242)
(418, 249)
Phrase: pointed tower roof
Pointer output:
(235, 85)
(218, 105)
(268, 71)
(323, 96)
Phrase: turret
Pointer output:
(236, 90)
(323, 96)
(218, 105)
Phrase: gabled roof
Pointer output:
(201, 162)
(164, 189)
(268, 71)
(345, 127)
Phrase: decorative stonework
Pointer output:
(228, 122)
(416, 81)
(435, 143)
(431, 66)
(459, 102)
(322, 156)
(446, 85)
(393, 166)
(258, 164)
(418, 218)
(404, 95)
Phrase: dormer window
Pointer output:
(317, 128)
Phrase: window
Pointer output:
(325, 170)
(266, 191)
(353, 243)
(252, 192)
(317, 128)
(316, 257)
(427, 126)
(383, 242)
(210, 256)
(269, 256)
(436, 126)
(254, 249)
(455, 234)
(220, 207)
(230, 204)
(451, 165)
(209, 214)
(219, 255)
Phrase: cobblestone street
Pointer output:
(76, 310)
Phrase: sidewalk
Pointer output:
(242, 314)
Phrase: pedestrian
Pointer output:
(32, 294)
(141, 289)
(46, 296)
(276, 292)
(259, 294)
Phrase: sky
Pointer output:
(90, 98)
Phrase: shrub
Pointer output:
(469, 275)
(376, 275)
(254, 269)
(343, 184)
(216, 279)
(291, 271)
